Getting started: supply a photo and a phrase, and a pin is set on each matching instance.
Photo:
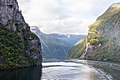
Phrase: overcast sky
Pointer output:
(63, 16)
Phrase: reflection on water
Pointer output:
(31, 73)
(70, 71)
(65, 70)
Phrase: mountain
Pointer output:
(68, 39)
(103, 40)
(19, 47)
(56, 45)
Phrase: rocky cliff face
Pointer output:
(103, 37)
(18, 45)
(10, 14)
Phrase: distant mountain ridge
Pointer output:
(69, 39)
(56, 45)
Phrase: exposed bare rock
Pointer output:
(11, 18)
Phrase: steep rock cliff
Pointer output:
(103, 37)
(19, 47)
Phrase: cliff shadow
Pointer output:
(29, 73)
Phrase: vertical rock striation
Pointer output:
(24, 48)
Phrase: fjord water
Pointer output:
(66, 70)
(80, 70)
(29, 73)
(70, 70)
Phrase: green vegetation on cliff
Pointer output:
(19, 47)
(12, 49)
(103, 37)
(78, 47)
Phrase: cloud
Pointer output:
(63, 16)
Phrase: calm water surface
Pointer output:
(71, 71)
(31, 73)
(66, 70)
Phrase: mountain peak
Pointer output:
(115, 5)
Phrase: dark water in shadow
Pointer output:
(30, 73)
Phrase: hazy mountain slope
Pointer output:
(68, 39)
(55, 45)
(103, 40)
